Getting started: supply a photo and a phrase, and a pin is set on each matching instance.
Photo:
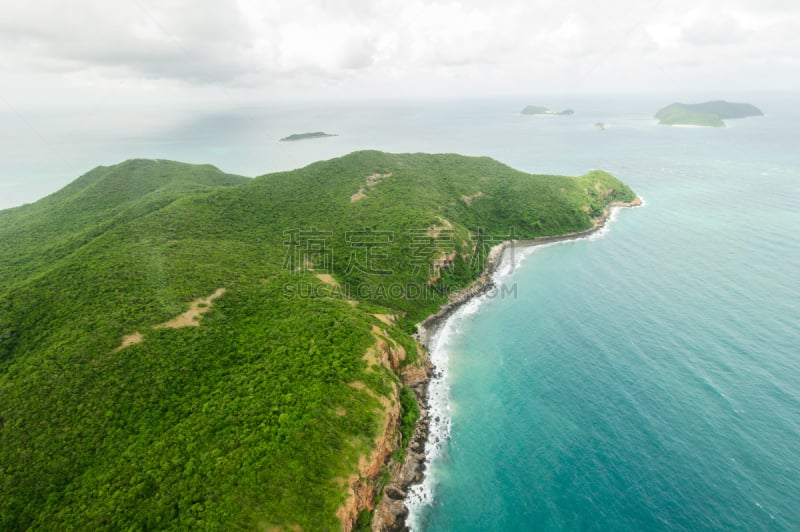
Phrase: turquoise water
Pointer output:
(648, 379)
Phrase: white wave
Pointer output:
(613, 215)
(469, 308)
(514, 257)
(439, 409)
(439, 403)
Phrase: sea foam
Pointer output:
(421, 495)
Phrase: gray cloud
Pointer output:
(201, 44)
(714, 30)
(257, 43)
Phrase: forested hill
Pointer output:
(710, 114)
(36, 235)
(183, 348)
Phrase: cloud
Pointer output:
(175, 41)
(716, 29)
(463, 43)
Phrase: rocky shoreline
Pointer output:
(391, 512)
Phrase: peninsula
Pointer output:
(541, 110)
(182, 348)
(306, 136)
(710, 114)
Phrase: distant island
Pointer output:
(541, 110)
(304, 136)
(710, 114)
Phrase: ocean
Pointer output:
(645, 378)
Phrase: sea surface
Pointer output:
(645, 378)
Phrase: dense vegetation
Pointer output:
(304, 136)
(709, 114)
(253, 418)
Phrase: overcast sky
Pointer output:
(57, 52)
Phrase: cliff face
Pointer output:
(391, 512)
(363, 488)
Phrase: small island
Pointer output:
(707, 114)
(541, 110)
(304, 136)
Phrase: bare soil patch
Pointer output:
(190, 318)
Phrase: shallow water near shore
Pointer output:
(647, 379)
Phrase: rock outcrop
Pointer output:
(362, 487)
(391, 512)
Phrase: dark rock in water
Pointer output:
(393, 492)
(410, 472)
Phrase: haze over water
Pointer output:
(645, 380)
(648, 379)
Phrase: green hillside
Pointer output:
(709, 114)
(35, 236)
(255, 414)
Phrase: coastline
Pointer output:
(393, 510)
(427, 328)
